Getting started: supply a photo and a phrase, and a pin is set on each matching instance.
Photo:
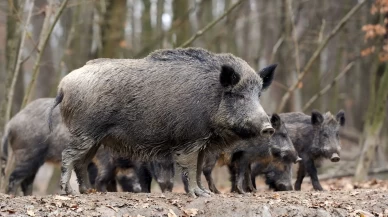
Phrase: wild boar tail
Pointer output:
(58, 99)
(4, 146)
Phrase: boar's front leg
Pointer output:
(300, 176)
(248, 180)
(188, 163)
(312, 171)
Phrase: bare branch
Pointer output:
(315, 55)
(327, 87)
(210, 25)
(45, 35)
(276, 48)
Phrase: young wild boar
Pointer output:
(163, 171)
(174, 101)
(277, 174)
(109, 166)
(277, 150)
(315, 137)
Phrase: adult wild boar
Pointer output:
(174, 101)
(27, 135)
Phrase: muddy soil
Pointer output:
(367, 199)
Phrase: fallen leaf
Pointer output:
(171, 213)
(191, 212)
(10, 211)
(146, 205)
(59, 197)
(30, 213)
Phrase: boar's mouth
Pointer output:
(245, 133)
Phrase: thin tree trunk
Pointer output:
(13, 40)
(45, 35)
(112, 30)
(46, 79)
(179, 11)
(373, 126)
(146, 27)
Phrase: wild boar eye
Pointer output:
(259, 95)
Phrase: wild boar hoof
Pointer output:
(198, 192)
(68, 192)
(240, 191)
(207, 191)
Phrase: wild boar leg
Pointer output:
(81, 169)
(207, 171)
(240, 179)
(300, 176)
(248, 180)
(312, 171)
(75, 153)
(27, 185)
(200, 160)
(188, 163)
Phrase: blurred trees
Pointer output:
(287, 32)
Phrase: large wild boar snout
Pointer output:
(335, 157)
(267, 130)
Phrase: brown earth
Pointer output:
(366, 199)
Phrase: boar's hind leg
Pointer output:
(81, 169)
(312, 171)
(188, 163)
(77, 155)
(25, 170)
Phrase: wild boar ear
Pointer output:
(276, 122)
(267, 75)
(228, 76)
(316, 118)
(341, 117)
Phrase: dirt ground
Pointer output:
(366, 199)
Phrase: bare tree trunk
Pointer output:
(46, 76)
(78, 45)
(146, 27)
(13, 40)
(373, 125)
(179, 12)
(112, 29)
(159, 22)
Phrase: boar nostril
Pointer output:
(335, 157)
(267, 132)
